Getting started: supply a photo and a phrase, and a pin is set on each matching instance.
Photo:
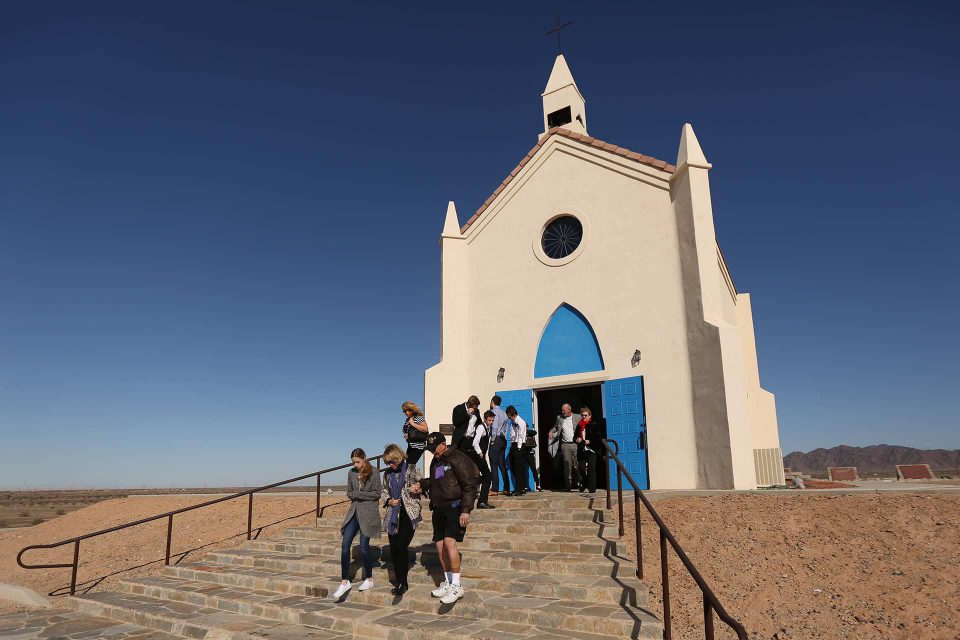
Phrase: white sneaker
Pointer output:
(454, 594)
(367, 584)
(339, 593)
(442, 590)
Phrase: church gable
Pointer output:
(587, 142)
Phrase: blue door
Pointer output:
(627, 424)
(523, 401)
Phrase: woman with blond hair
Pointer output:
(403, 511)
(363, 517)
(415, 430)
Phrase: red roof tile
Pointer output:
(579, 137)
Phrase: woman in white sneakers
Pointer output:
(363, 517)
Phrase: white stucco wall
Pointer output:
(637, 284)
(626, 282)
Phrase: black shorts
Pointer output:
(446, 524)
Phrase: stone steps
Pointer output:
(569, 615)
(602, 589)
(64, 624)
(479, 525)
(555, 563)
(423, 541)
(305, 618)
(544, 566)
(511, 515)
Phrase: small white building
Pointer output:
(592, 276)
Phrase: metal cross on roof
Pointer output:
(556, 30)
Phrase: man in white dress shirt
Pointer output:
(566, 426)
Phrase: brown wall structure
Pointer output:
(914, 472)
(842, 473)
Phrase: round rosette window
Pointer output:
(561, 237)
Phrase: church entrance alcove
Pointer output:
(549, 402)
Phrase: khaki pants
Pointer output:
(568, 465)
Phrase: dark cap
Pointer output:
(434, 440)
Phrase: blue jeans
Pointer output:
(350, 532)
(498, 464)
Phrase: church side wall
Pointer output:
(761, 404)
(691, 201)
(626, 282)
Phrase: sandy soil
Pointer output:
(862, 566)
(104, 561)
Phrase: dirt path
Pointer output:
(104, 559)
(884, 567)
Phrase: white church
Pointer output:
(611, 292)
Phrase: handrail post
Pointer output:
(250, 516)
(665, 581)
(318, 495)
(707, 619)
(76, 566)
(636, 517)
(620, 496)
(606, 465)
(169, 536)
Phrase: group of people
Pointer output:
(573, 445)
(451, 485)
(452, 482)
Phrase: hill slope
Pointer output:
(878, 457)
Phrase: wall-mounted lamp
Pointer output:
(635, 360)
(500, 374)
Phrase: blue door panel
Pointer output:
(522, 399)
(626, 423)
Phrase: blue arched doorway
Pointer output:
(568, 345)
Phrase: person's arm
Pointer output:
(371, 492)
(477, 437)
(385, 494)
(423, 426)
(424, 486)
(467, 479)
(350, 488)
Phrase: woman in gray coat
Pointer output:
(363, 517)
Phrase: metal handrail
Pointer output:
(710, 602)
(169, 516)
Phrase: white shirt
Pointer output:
(478, 436)
(472, 425)
(566, 430)
(518, 431)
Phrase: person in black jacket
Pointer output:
(452, 487)
(589, 432)
(464, 418)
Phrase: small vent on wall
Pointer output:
(768, 464)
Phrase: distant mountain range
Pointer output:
(875, 458)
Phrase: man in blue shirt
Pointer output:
(498, 447)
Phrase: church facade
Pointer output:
(592, 275)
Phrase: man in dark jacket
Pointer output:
(452, 487)
(465, 416)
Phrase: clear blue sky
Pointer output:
(219, 222)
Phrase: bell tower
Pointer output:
(563, 104)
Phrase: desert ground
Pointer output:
(883, 566)
(104, 560)
(811, 566)
(28, 508)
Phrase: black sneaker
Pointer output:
(484, 505)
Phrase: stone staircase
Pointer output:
(540, 566)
